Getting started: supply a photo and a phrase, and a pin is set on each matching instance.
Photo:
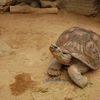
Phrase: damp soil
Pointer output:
(29, 36)
(22, 83)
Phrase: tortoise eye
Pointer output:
(64, 52)
(55, 47)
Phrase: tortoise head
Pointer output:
(61, 56)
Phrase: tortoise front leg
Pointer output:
(75, 72)
(54, 68)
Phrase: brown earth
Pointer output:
(30, 36)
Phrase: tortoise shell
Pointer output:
(82, 44)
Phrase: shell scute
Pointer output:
(82, 44)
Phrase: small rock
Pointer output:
(35, 4)
(45, 3)
(6, 8)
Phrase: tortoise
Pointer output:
(79, 49)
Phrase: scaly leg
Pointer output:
(75, 72)
(54, 68)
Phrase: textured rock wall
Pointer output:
(3, 2)
(84, 7)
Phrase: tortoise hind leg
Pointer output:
(54, 68)
(75, 72)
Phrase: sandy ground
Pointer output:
(30, 36)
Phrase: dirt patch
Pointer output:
(30, 36)
(23, 82)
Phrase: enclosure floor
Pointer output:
(30, 36)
